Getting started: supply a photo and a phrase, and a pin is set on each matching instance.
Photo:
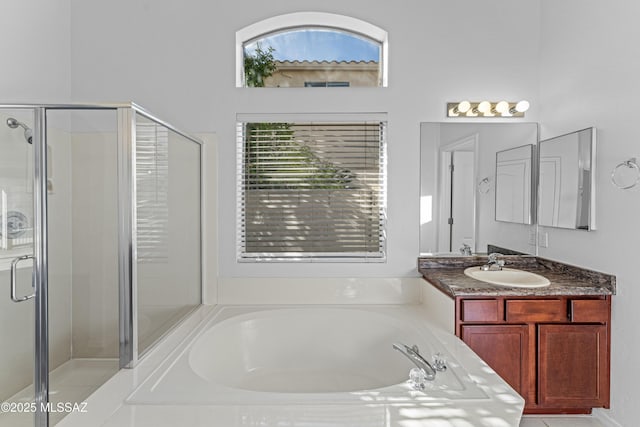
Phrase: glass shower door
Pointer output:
(82, 201)
(16, 267)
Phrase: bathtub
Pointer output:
(307, 355)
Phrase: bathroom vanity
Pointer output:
(551, 344)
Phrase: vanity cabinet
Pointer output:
(554, 351)
(504, 348)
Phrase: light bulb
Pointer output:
(484, 107)
(464, 106)
(522, 106)
(502, 107)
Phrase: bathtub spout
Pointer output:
(413, 354)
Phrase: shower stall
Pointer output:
(100, 248)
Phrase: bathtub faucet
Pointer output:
(413, 354)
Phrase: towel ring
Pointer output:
(631, 163)
(484, 186)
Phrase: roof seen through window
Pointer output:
(312, 57)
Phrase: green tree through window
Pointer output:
(275, 160)
(258, 66)
(312, 189)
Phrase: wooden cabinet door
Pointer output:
(504, 348)
(573, 366)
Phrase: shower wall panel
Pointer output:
(60, 245)
(168, 229)
(95, 244)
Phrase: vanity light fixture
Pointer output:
(462, 107)
(502, 107)
(484, 107)
(487, 109)
(520, 107)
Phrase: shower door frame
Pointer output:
(41, 269)
(127, 258)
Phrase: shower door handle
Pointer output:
(14, 268)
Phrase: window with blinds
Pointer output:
(152, 191)
(311, 190)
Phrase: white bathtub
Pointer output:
(305, 355)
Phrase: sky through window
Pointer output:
(318, 45)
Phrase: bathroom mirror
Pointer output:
(457, 188)
(515, 185)
(567, 181)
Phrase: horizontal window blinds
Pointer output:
(311, 190)
(152, 191)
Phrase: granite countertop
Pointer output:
(447, 274)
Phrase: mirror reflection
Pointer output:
(515, 185)
(566, 191)
(457, 207)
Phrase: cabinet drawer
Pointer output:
(536, 311)
(589, 311)
(481, 310)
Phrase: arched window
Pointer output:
(311, 49)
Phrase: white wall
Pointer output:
(36, 63)
(589, 72)
(177, 59)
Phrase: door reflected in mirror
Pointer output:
(567, 190)
(457, 183)
(515, 189)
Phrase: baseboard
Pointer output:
(603, 416)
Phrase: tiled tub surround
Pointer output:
(447, 274)
(531, 336)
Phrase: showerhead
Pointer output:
(28, 133)
(13, 123)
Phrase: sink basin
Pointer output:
(508, 277)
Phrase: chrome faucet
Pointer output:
(493, 263)
(413, 354)
(465, 249)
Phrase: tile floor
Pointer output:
(72, 381)
(560, 421)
